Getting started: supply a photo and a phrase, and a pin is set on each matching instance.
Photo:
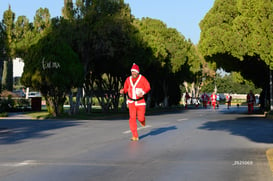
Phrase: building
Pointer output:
(18, 67)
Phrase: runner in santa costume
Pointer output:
(250, 101)
(136, 86)
(213, 98)
(228, 99)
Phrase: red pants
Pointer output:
(250, 107)
(213, 104)
(136, 112)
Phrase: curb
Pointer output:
(269, 154)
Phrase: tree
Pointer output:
(7, 76)
(102, 41)
(67, 10)
(24, 36)
(237, 35)
(2, 50)
(19, 37)
(53, 68)
(231, 83)
(42, 20)
(174, 59)
(21, 28)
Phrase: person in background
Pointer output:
(187, 97)
(228, 99)
(205, 99)
(217, 100)
(136, 86)
(213, 98)
(250, 98)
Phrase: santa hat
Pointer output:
(135, 68)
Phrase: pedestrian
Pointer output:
(187, 97)
(213, 98)
(136, 86)
(205, 99)
(250, 98)
(228, 99)
(217, 100)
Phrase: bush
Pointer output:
(11, 104)
(6, 105)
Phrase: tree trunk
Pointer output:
(78, 100)
(7, 77)
(89, 104)
(50, 106)
(1, 73)
(71, 103)
(165, 92)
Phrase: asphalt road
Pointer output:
(190, 145)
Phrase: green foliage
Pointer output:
(52, 63)
(6, 104)
(7, 39)
(52, 67)
(169, 47)
(94, 45)
(22, 27)
(2, 41)
(238, 28)
(237, 35)
(232, 83)
(42, 20)
(104, 40)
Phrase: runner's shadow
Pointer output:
(158, 131)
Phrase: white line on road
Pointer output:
(129, 131)
(184, 119)
(54, 163)
(19, 164)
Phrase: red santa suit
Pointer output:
(213, 98)
(250, 101)
(137, 105)
(228, 98)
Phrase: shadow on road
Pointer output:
(158, 131)
(254, 128)
(16, 131)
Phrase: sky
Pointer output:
(183, 15)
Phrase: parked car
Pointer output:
(34, 94)
(20, 93)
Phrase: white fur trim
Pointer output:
(140, 104)
(134, 70)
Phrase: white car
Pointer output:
(34, 94)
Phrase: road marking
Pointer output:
(184, 119)
(19, 164)
(140, 128)
(269, 154)
(54, 163)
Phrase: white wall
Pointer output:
(18, 66)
